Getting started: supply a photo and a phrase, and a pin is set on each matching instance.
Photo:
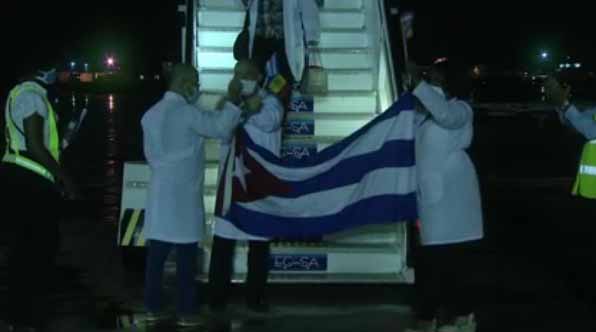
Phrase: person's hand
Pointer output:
(556, 94)
(414, 73)
(253, 104)
(235, 90)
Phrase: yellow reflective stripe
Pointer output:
(132, 225)
(141, 240)
(11, 133)
(54, 139)
(28, 164)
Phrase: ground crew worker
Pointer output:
(558, 93)
(34, 183)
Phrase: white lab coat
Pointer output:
(174, 134)
(448, 192)
(301, 23)
(264, 128)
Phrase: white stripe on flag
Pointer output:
(371, 141)
(385, 181)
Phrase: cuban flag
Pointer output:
(367, 178)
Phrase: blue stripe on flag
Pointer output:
(397, 153)
(375, 210)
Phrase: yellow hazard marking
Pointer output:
(132, 225)
(141, 239)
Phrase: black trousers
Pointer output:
(220, 271)
(443, 286)
(31, 212)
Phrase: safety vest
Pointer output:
(12, 153)
(585, 182)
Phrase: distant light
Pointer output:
(544, 55)
(157, 77)
(578, 65)
(86, 67)
(142, 77)
(73, 64)
(562, 65)
(567, 65)
(476, 70)
(110, 61)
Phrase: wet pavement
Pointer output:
(533, 273)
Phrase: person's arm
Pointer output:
(583, 122)
(447, 114)
(214, 124)
(269, 118)
(34, 137)
(311, 21)
(243, 3)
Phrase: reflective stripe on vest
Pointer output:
(12, 153)
(585, 182)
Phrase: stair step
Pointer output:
(321, 278)
(234, 18)
(330, 38)
(327, 4)
(354, 102)
(223, 58)
(338, 80)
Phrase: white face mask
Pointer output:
(248, 87)
(48, 77)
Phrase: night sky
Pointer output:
(141, 33)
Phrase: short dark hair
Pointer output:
(457, 81)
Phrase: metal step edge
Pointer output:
(324, 278)
(331, 71)
(360, 93)
(203, 28)
(323, 10)
(326, 50)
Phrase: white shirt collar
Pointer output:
(171, 95)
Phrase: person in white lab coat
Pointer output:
(264, 128)
(174, 131)
(449, 204)
(279, 27)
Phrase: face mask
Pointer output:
(248, 87)
(193, 98)
(48, 77)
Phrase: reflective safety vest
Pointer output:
(12, 154)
